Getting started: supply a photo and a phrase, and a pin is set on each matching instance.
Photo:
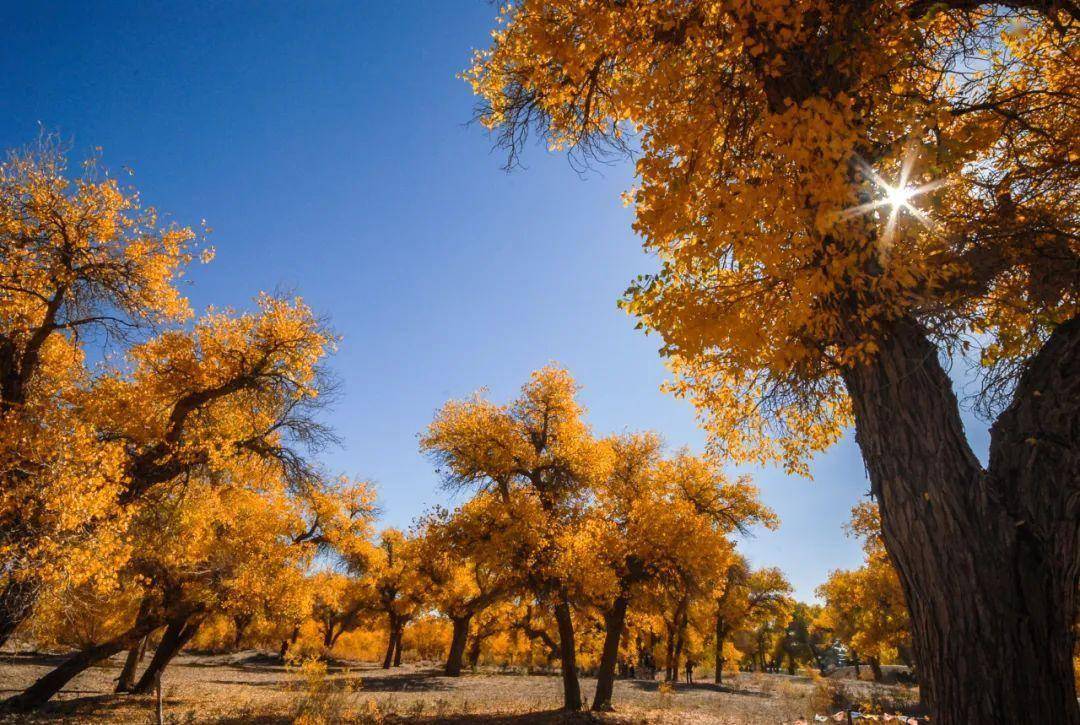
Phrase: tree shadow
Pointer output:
(654, 686)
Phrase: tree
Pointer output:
(80, 260)
(746, 599)
(539, 458)
(340, 604)
(658, 519)
(393, 574)
(839, 194)
(462, 558)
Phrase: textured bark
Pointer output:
(987, 558)
(51, 683)
(457, 645)
(568, 657)
(614, 623)
(474, 652)
(177, 634)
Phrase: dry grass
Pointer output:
(252, 688)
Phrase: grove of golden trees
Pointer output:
(840, 195)
(843, 199)
(170, 495)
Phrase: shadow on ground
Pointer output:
(654, 686)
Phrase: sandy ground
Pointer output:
(252, 687)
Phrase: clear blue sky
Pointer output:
(326, 144)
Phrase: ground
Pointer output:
(253, 687)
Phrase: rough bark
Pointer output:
(614, 623)
(177, 634)
(875, 668)
(987, 558)
(568, 657)
(457, 645)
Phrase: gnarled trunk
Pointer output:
(568, 656)
(614, 621)
(457, 645)
(987, 559)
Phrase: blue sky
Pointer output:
(327, 145)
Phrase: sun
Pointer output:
(899, 196)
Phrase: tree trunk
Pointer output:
(988, 560)
(614, 621)
(568, 657)
(328, 635)
(241, 622)
(131, 663)
(287, 643)
(474, 652)
(391, 642)
(397, 644)
(177, 635)
(457, 645)
(875, 667)
(669, 653)
(51, 683)
(721, 637)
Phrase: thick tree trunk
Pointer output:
(568, 657)
(457, 645)
(51, 683)
(988, 560)
(614, 622)
(177, 634)
(875, 668)
(328, 635)
(131, 663)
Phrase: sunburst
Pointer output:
(899, 197)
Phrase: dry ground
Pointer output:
(251, 687)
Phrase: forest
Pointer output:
(840, 201)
